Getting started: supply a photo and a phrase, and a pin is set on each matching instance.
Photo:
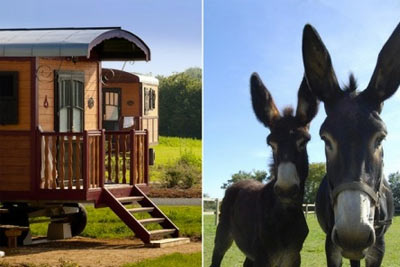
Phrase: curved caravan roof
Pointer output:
(110, 43)
(119, 76)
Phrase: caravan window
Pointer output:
(70, 101)
(8, 97)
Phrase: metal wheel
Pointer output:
(77, 220)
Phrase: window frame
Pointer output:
(73, 76)
(11, 120)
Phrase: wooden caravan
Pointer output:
(54, 151)
(130, 100)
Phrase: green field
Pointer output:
(172, 260)
(313, 253)
(169, 150)
(103, 223)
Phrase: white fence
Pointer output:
(214, 208)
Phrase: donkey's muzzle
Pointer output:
(354, 246)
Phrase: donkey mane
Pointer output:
(351, 87)
(288, 111)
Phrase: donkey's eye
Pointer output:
(378, 141)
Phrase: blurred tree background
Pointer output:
(180, 104)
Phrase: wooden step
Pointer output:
(142, 209)
(161, 232)
(152, 220)
(129, 199)
(168, 242)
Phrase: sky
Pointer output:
(171, 28)
(265, 36)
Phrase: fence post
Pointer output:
(216, 211)
(306, 210)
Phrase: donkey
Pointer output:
(354, 203)
(267, 221)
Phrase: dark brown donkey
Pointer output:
(267, 221)
(354, 203)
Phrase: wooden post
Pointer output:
(78, 162)
(62, 161)
(124, 159)
(97, 160)
(92, 145)
(306, 210)
(70, 162)
(146, 157)
(46, 162)
(116, 159)
(54, 156)
(131, 160)
(102, 157)
(216, 211)
(85, 161)
(109, 153)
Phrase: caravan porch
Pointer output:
(79, 165)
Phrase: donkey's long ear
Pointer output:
(318, 68)
(263, 104)
(386, 77)
(307, 104)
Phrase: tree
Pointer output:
(258, 175)
(180, 104)
(394, 181)
(315, 174)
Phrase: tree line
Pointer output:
(180, 104)
(316, 172)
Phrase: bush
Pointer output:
(184, 173)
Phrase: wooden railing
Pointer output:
(126, 157)
(61, 161)
(94, 142)
(76, 161)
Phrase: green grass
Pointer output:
(103, 223)
(169, 150)
(175, 260)
(313, 253)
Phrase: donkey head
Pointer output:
(352, 132)
(288, 138)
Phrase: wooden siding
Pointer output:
(46, 88)
(151, 123)
(129, 92)
(15, 163)
(24, 93)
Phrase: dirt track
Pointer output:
(89, 252)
